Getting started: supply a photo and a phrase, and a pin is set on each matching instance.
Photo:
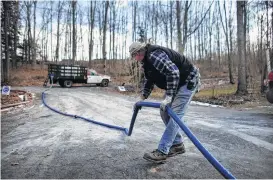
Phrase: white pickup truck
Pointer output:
(66, 75)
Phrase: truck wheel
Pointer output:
(68, 83)
(269, 96)
(104, 83)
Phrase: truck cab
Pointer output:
(95, 78)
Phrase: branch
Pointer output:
(201, 20)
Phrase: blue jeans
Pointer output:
(172, 134)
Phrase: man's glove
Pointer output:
(165, 102)
(141, 98)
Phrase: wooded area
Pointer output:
(216, 34)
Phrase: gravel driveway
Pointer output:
(39, 143)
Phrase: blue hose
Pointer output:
(83, 118)
(129, 131)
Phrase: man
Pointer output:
(174, 73)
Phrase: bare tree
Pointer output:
(51, 30)
(34, 36)
(135, 5)
(17, 16)
(81, 32)
(29, 37)
(268, 63)
(7, 53)
(178, 26)
(210, 38)
(92, 23)
(74, 44)
(242, 86)
(59, 16)
(218, 43)
(262, 63)
(271, 58)
(113, 28)
(171, 23)
(104, 34)
(225, 29)
(185, 26)
(186, 34)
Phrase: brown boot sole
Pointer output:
(154, 161)
(176, 153)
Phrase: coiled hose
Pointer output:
(129, 131)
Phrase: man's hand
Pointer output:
(165, 102)
(140, 98)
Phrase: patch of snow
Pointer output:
(264, 106)
(22, 97)
(204, 104)
(121, 88)
(28, 108)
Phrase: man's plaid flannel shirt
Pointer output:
(164, 65)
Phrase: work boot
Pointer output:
(176, 149)
(156, 156)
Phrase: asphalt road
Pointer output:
(39, 143)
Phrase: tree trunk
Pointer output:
(104, 34)
(58, 30)
(242, 86)
(29, 31)
(171, 24)
(74, 44)
(230, 35)
(91, 42)
(166, 29)
(113, 30)
(210, 39)
(51, 30)
(14, 59)
(156, 22)
(6, 25)
(247, 64)
(34, 36)
(67, 36)
(218, 45)
(262, 60)
(134, 20)
(267, 40)
(271, 59)
(178, 26)
(185, 27)
(225, 29)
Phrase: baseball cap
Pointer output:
(135, 47)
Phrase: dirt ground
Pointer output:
(37, 143)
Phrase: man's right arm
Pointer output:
(148, 87)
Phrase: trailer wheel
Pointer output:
(104, 83)
(97, 84)
(68, 83)
(61, 83)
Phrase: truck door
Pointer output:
(92, 77)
